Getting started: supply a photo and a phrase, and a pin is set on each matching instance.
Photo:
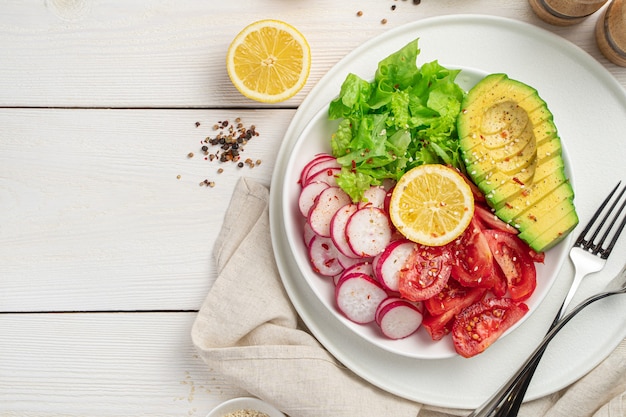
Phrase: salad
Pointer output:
(471, 289)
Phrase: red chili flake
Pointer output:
(518, 181)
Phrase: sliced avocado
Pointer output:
(523, 214)
(555, 233)
(512, 152)
(505, 187)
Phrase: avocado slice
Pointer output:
(512, 152)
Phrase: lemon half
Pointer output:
(269, 61)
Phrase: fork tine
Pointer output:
(580, 241)
(606, 252)
(590, 244)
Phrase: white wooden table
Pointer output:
(105, 232)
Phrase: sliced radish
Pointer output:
(364, 266)
(329, 201)
(347, 261)
(328, 175)
(387, 199)
(307, 234)
(324, 256)
(309, 194)
(375, 197)
(338, 229)
(323, 165)
(399, 319)
(368, 231)
(389, 299)
(316, 159)
(358, 296)
(388, 263)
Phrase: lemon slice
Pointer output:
(269, 61)
(431, 205)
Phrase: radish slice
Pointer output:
(323, 165)
(374, 197)
(338, 229)
(316, 159)
(308, 234)
(324, 256)
(393, 298)
(362, 267)
(398, 318)
(347, 261)
(387, 200)
(387, 264)
(328, 175)
(358, 296)
(309, 194)
(329, 201)
(389, 299)
(368, 231)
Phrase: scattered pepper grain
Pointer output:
(359, 13)
(229, 141)
(384, 21)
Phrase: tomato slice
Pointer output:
(491, 221)
(427, 272)
(482, 323)
(443, 307)
(438, 326)
(473, 266)
(513, 257)
(454, 297)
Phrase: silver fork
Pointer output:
(588, 256)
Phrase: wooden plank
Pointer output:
(94, 217)
(104, 365)
(143, 53)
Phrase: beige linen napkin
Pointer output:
(248, 331)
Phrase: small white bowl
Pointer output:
(245, 403)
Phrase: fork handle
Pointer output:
(487, 409)
(513, 402)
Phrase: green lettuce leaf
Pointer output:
(403, 118)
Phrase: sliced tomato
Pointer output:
(538, 257)
(491, 221)
(514, 259)
(499, 281)
(426, 274)
(482, 323)
(443, 307)
(438, 326)
(454, 297)
(473, 260)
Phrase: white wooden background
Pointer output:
(105, 253)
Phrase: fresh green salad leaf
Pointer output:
(405, 117)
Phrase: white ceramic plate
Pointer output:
(578, 90)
